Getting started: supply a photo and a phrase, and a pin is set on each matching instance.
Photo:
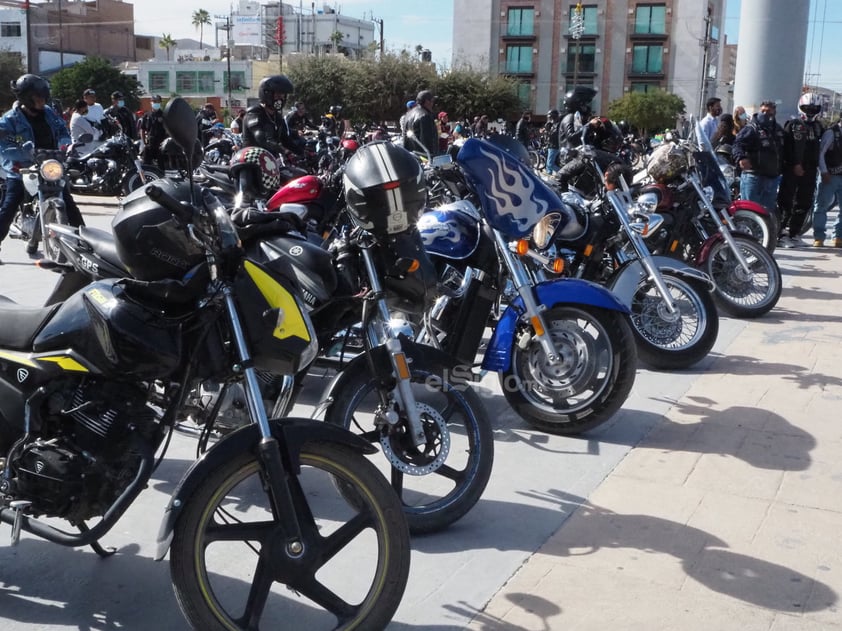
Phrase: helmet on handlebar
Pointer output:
(269, 87)
(28, 86)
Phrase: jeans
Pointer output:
(552, 159)
(760, 189)
(827, 196)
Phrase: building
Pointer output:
(13, 32)
(616, 46)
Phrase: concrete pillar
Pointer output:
(772, 47)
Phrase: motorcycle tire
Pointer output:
(132, 181)
(762, 228)
(737, 293)
(355, 564)
(593, 379)
(52, 214)
(667, 341)
(441, 485)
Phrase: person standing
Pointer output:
(122, 114)
(443, 130)
(30, 121)
(801, 162)
(758, 151)
(522, 129)
(80, 125)
(95, 111)
(740, 118)
(829, 192)
(551, 129)
(421, 125)
(402, 121)
(711, 119)
(153, 132)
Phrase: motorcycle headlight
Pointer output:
(52, 170)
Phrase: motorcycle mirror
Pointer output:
(180, 123)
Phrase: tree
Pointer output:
(10, 70)
(655, 110)
(97, 73)
(200, 19)
(167, 42)
(336, 38)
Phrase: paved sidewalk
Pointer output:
(728, 514)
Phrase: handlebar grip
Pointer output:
(181, 210)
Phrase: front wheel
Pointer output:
(744, 294)
(594, 375)
(669, 341)
(231, 569)
(53, 213)
(133, 181)
(762, 228)
(441, 481)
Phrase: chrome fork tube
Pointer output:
(520, 279)
(721, 227)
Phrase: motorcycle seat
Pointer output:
(21, 323)
(103, 245)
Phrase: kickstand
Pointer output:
(96, 547)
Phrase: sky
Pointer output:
(406, 23)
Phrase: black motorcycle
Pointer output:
(93, 387)
(109, 167)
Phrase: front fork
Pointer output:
(138, 164)
(400, 366)
(721, 226)
(523, 286)
(40, 228)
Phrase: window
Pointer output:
(205, 81)
(650, 18)
(238, 80)
(9, 29)
(647, 60)
(589, 15)
(519, 59)
(185, 82)
(587, 57)
(524, 91)
(159, 82)
(521, 22)
(644, 87)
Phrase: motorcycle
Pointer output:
(43, 202)
(563, 349)
(693, 197)
(222, 145)
(93, 386)
(673, 314)
(109, 167)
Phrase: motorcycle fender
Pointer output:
(745, 204)
(565, 291)
(704, 250)
(625, 282)
(292, 433)
(426, 355)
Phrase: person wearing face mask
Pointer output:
(758, 151)
(81, 125)
(153, 132)
(30, 122)
(801, 162)
(740, 118)
(122, 114)
(264, 124)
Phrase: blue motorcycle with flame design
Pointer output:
(563, 349)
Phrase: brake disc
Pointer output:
(403, 456)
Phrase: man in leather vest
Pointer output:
(758, 150)
(829, 191)
(264, 124)
(421, 129)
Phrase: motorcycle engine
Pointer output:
(86, 454)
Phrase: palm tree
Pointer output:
(336, 37)
(167, 42)
(200, 18)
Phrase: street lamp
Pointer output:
(227, 19)
(577, 29)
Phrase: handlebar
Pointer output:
(181, 210)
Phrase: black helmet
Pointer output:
(276, 84)
(552, 114)
(335, 109)
(30, 85)
(625, 128)
(579, 99)
(384, 188)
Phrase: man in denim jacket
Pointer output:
(30, 124)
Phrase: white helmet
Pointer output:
(810, 105)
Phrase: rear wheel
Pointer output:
(741, 293)
(231, 569)
(594, 375)
(761, 228)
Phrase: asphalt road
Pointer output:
(454, 573)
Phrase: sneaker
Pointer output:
(796, 242)
(786, 242)
(837, 243)
(818, 243)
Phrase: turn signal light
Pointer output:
(522, 247)
(413, 267)
(673, 246)
(402, 366)
(588, 250)
(558, 266)
(536, 324)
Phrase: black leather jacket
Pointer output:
(268, 130)
(421, 123)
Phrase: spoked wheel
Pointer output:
(594, 375)
(761, 228)
(440, 481)
(231, 568)
(52, 214)
(741, 293)
(669, 340)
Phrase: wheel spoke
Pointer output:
(258, 594)
(326, 598)
(450, 473)
(343, 535)
(240, 531)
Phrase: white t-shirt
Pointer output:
(80, 125)
(95, 113)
